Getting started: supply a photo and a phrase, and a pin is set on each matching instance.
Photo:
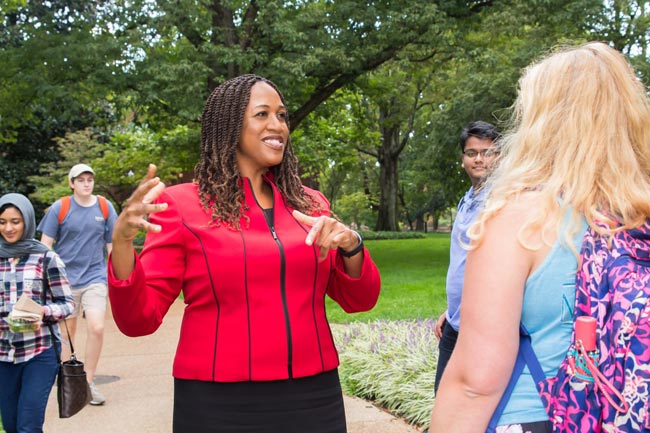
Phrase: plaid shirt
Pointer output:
(25, 275)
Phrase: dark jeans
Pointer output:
(445, 348)
(25, 389)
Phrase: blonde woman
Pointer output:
(579, 151)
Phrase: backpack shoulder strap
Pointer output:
(65, 207)
(526, 357)
(103, 205)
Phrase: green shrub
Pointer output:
(371, 235)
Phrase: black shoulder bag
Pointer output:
(73, 391)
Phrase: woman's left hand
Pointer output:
(327, 233)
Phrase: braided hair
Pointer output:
(220, 188)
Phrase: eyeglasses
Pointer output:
(485, 153)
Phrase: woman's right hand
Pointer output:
(134, 215)
(132, 219)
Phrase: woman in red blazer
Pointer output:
(254, 253)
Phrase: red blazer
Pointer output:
(255, 306)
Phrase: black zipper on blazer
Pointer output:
(283, 292)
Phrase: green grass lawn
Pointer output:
(413, 273)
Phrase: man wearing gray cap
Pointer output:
(80, 228)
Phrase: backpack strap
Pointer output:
(103, 205)
(525, 357)
(65, 207)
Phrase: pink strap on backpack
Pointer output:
(601, 382)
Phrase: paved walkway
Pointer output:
(135, 376)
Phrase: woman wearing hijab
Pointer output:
(28, 364)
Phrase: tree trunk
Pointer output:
(388, 175)
(421, 224)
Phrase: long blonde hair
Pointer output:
(581, 134)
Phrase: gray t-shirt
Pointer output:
(80, 240)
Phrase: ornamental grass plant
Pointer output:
(391, 363)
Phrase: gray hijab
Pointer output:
(27, 244)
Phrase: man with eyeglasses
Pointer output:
(478, 142)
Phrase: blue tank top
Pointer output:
(547, 313)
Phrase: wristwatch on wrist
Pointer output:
(354, 251)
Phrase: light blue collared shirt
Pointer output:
(468, 209)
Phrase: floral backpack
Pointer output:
(603, 384)
(607, 389)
